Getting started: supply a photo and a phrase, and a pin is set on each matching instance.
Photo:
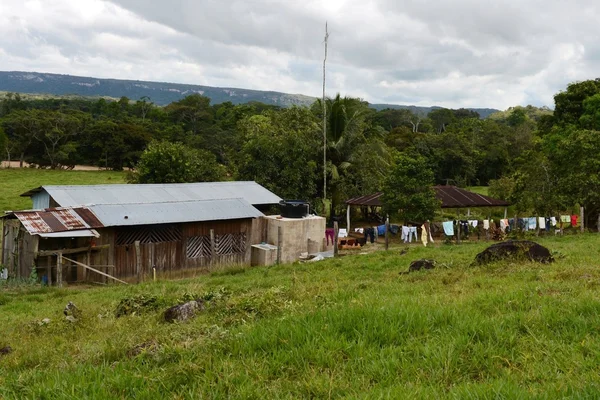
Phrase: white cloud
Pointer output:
(466, 53)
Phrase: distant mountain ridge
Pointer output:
(162, 93)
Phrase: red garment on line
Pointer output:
(330, 234)
(574, 220)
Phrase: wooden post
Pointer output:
(582, 220)
(138, 261)
(335, 238)
(213, 252)
(458, 226)
(348, 219)
(505, 212)
(49, 269)
(537, 224)
(59, 261)
(387, 232)
(279, 243)
(88, 261)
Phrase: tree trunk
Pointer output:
(21, 160)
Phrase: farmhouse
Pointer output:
(128, 231)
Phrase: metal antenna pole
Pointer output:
(325, 123)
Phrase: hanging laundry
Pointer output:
(424, 235)
(329, 234)
(448, 228)
(503, 225)
(511, 224)
(394, 229)
(565, 219)
(532, 223)
(370, 234)
(548, 224)
(574, 220)
(542, 222)
(553, 220)
(428, 228)
(486, 224)
(381, 230)
(405, 232)
(412, 232)
(342, 233)
(359, 230)
(473, 223)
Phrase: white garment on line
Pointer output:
(473, 223)
(502, 225)
(486, 224)
(553, 220)
(342, 233)
(412, 231)
(423, 235)
(359, 230)
(542, 222)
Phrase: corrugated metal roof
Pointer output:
(455, 197)
(73, 196)
(450, 196)
(57, 220)
(176, 212)
(369, 200)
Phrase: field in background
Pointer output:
(351, 327)
(15, 181)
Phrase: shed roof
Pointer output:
(82, 195)
(51, 221)
(450, 196)
(174, 212)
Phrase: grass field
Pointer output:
(15, 181)
(351, 327)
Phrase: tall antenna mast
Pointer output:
(325, 123)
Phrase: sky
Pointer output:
(450, 53)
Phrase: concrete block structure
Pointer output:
(299, 235)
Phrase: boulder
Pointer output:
(515, 249)
(421, 264)
(183, 312)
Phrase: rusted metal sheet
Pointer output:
(58, 220)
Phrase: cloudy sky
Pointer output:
(453, 53)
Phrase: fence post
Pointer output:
(582, 220)
(458, 226)
(138, 261)
(49, 269)
(387, 232)
(59, 260)
(335, 238)
(212, 247)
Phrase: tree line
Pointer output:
(520, 153)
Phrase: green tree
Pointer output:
(568, 105)
(164, 162)
(281, 152)
(408, 190)
(441, 118)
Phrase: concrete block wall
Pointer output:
(296, 233)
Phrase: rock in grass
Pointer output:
(72, 311)
(421, 264)
(515, 249)
(183, 312)
(6, 350)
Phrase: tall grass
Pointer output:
(351, 327)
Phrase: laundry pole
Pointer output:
(348, 218)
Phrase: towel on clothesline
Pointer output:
(531, 223)
(448, 228)
(553, 221)
(473, 223)
(574, 220)
(565, 219)
(542, 222)
(486, 224)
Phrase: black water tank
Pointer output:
(293, 208)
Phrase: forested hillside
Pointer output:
(162, 93)
(541, 161)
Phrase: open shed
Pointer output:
(450, 197)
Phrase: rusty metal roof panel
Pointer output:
(54, 220)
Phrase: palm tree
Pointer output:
(350, 138)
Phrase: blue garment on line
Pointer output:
(394, 229)
(448, 228)
(532, 223)
(381, 230)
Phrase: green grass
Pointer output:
(15, 181)
(351, 327)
